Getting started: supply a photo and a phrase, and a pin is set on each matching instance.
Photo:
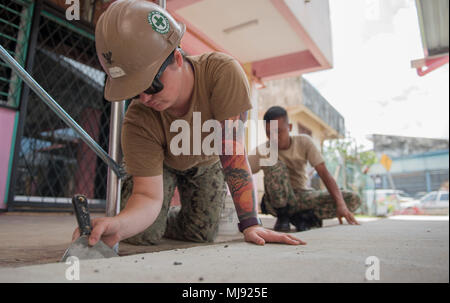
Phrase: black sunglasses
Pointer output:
(157, 85)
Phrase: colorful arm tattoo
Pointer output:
(235, 165)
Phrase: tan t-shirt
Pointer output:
(301, 151)
(221, 91)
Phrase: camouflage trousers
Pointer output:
(279, 193)
(202, 196)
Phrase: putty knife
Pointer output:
(80, 248)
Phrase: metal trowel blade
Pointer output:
(81, 249)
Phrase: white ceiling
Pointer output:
(254, 29)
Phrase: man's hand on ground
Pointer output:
(259, 235)
(106, 228)
(342, 211)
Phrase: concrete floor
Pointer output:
(410, 249)
(41, 238)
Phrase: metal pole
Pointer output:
(162, 3)
(59, 111)
(113, 185)
(113, 182)
(391, 181)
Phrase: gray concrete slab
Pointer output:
(408, 250)
(42, 238)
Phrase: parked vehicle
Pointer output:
(435, 202)
(403, 197)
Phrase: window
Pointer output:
(444, 197)
(430, 197)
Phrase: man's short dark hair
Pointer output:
(274, 113)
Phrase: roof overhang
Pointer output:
(279, 38)
(434, 29)
(327, 131)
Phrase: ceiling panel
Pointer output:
(251, 30)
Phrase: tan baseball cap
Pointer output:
(133, 38)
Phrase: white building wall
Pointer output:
(314, 16)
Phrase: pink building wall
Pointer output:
(7, 121)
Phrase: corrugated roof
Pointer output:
(433, 20)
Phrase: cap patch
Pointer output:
(159, 22)
(116, 72)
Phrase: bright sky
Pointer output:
(372, 83)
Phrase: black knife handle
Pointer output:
(80, 204)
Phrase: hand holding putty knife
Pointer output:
(80, 247)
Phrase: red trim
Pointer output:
(432, 64)
(173, 5)
(291, 64)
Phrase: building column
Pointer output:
(428, 181)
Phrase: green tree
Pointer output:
(349, 163)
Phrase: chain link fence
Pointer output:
(53, 162)
(351, 177)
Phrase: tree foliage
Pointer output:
(346, 151)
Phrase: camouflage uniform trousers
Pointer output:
(202, 196)
(279, 193)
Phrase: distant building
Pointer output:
(418, 164)
(397, 146)
(309, 112)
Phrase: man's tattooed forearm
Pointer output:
(237, 171)
(238, 179)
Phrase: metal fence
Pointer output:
(414, 184)
(351, 177)
(52, 162)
